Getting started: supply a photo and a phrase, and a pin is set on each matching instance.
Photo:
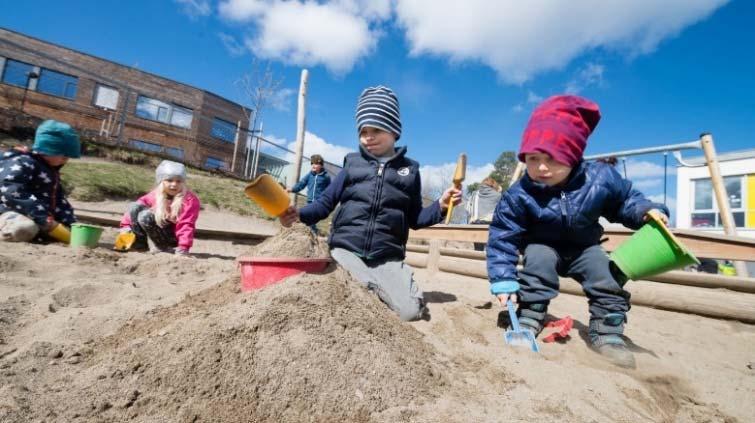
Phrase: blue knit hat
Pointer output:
(55, 138)
(378, 108)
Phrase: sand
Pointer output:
(99, 336)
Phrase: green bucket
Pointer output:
(651, 250)
(85, 235)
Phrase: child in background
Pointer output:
(380, 198)
(167, 215)
(32, 200)
(551, 217)
(481, 205)
(316, 181)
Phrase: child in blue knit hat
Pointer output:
(31, 197)
(380, 198)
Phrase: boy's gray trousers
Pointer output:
(392, 281)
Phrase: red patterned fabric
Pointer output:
(559, 126)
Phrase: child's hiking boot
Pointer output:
(532, 316)
(605, 335)
(140, 244)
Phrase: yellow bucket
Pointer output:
(60, 233)
(266, 192)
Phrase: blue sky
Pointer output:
(467, 73)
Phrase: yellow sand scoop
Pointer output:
(459, 174)
(124, 241)
(266, 192)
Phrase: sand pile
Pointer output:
(296, 241)
(314, 348)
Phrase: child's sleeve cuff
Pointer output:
(507, 286)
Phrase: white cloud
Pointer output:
(532, 99)
(644, 184)
(335, 34)
(522, 39)
(195, 8)
(281, 99)
(437, 178)
(242, 10)
(313, 144)
(230, 43)
(591, 74)
(642, 169)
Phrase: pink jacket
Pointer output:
(185, 223)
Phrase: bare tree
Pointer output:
(259, 85)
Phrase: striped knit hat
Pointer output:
(378, 108)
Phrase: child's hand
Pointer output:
(503, 298)
(452, 194)
(658, 215)
(289, 216)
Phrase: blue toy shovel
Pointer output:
(517, 337)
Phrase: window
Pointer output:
(106, 97)
(705, 212)
(58, 84)
(223, 130)
(181, 117)
(17, 73)
(175, 152)
(150, 108)
(214, 163)
(146, 146)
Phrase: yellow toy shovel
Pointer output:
(459, 174)
(124, 241)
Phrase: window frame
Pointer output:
(717, 224)
(8, 61)
(96, 91)
(39, 80)
(230, 124)
(169, 108)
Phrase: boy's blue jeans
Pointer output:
(543, 265)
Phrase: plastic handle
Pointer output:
(512, 315)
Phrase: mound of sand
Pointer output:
(313, 348)
(296, 241)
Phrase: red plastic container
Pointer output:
(259, 272)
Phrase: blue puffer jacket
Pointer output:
(561, 217)
(379, 203)
(315, 184)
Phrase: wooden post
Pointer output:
(518, 171)
(301, 122)
(236, 146)
(257, 151)
(722, 198)
(433, 257)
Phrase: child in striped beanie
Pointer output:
(380, 199)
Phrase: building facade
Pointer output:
(696, 206)
(119, 104)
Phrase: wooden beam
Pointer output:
(702, 244)
(200, 232)
(721, 303)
